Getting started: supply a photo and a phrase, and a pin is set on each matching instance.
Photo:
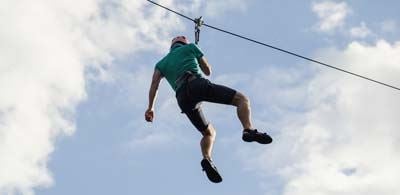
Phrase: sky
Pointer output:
(74, 80)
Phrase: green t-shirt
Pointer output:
(178, 61)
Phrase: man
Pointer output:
(181, 67)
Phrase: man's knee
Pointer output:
(209, 131)
(240, 99)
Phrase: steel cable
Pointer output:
(282, 50)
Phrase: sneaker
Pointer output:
(254, 135)
(211, 170)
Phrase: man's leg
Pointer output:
(207, 141)
(207, 91)
(207, 130)
(197, 118)
(206, 144)
(243, 109)
(244, 114)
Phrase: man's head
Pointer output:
(179, 39)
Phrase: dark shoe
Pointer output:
(254, 135)
(211, 170)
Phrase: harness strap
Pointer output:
(185, 78)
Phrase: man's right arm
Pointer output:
(157, 76)
(205, 66)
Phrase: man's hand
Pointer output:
(149, 115)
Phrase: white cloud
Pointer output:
(211, 8)
(47, 48)
(361, 31)
(145, 139)
(347, 140)
(331, 15)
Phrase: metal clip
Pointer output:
(198, 21)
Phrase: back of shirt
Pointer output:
(178, 61)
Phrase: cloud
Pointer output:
(213, 8)
(49, 50)
(346, 139)
(148, 135)
(361, 31)
(389, 26)
(331, 15)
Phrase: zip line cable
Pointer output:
(198, 21)
(171, 10)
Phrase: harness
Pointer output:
(184, 79)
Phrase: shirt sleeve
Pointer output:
(197, 51)
(158, 67)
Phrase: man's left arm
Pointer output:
(157, 76)
(205, 66)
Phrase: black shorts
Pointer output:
(191, 94)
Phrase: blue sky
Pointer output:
(75, 78)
